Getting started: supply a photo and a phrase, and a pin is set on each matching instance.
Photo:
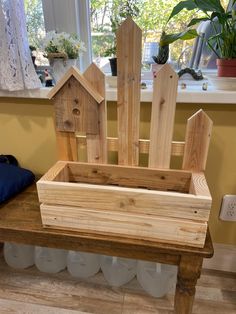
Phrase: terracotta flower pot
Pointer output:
(226, 67)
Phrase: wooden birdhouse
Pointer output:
(76, 103)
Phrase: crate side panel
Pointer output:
(126, 225)
(164, 180)
(58, 172)
(198, 185)
(139, 201)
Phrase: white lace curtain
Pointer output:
(16, 68)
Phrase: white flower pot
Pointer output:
(60, 66)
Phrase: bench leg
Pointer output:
(188, 273)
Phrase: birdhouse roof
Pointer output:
(73, 71)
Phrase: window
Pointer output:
(61, 16)
(152, 18)
(75, 16)
(71, 16)
(35, 28)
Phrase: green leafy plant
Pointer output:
(223, 22)
(167, 39)
(122, 11)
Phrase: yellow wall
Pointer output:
(26, 131)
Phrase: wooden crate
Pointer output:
(165, 205)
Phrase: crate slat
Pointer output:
(66, 146)
(136, 177)
(128, 200)
(165, 85)
(124, 224)
(177, 147)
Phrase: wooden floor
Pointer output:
(30, 291)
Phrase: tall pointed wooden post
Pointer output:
(129, 44)
(97, 143)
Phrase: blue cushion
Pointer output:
(13, 180)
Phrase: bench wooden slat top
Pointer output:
(20, 222)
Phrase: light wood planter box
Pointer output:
(172, 206)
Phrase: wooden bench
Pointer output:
(20, 222)
(80, 107)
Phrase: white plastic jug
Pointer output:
(18, 255)
(156, 279)
(82, 265)
(50, 260)
(118, 271)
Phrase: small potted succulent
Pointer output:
(223, 21)
(165, 40)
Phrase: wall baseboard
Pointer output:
(224, 258)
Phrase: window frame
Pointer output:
(71, 16)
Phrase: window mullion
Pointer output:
(71, 16)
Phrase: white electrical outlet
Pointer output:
(228, 208)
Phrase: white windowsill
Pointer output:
(192, 94)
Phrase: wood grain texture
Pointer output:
(165, 85)
(75, 109)
(20, 307)
(37, 292)
(74, 72)
(109, 222)
(197, 139)
(97, 144)
(20, 222)
(58, 172)
(188, 273)
(66, 146)
(129, 41)
(198, 185)
(126, 176)
(131, 197)
(127, 200)
(59, 291)
(177, 147)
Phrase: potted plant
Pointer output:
(223, 21)
(63, 51)
(119, 14)
(167, 39)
